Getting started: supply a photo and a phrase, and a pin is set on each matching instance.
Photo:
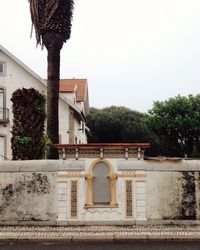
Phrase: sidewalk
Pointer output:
(111, 233)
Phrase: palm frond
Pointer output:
(54, 16)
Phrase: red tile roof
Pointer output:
(75, 85)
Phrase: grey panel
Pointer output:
(71, 165)
(101, 184)
(159, 165)
(29, 166)
(42, 166)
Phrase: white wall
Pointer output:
(158, 196)
(17, 77)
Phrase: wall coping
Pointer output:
(79, 165)
(103, 145)
(42, 166)
(159, 165)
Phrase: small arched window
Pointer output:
(101, 184)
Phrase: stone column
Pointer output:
(89, 179)
(113, 178)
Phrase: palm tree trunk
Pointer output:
(53, 45)
(52, 22)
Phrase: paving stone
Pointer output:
(98, 232)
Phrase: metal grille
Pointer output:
(129, 199)
(74, 197)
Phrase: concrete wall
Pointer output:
(173, 195)
(27, 193)
(39, 192)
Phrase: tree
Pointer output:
(117, 124)
(28, 124)
(177, 122)
(52, 22)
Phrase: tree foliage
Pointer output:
(28, 124)
(171, 127)
(176, 121)
(117, 124)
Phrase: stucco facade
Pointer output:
(16, 75)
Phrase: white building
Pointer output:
(14, 75)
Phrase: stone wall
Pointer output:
(27, 193)
(52, 192)
(173, 195)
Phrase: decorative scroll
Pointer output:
(129, 199)
(74, 197)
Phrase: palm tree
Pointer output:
(52, 22)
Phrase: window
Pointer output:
(2, 147)
(4, 112)
(101, 185)
(2, 68)
(1, 103)
(82, 127)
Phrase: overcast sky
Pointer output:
(132, 52)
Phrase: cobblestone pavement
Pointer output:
(73, 233)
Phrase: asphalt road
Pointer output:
(136, 245)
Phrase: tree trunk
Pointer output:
(53, 43)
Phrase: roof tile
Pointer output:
(72, 85)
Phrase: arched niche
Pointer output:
(101, 184)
